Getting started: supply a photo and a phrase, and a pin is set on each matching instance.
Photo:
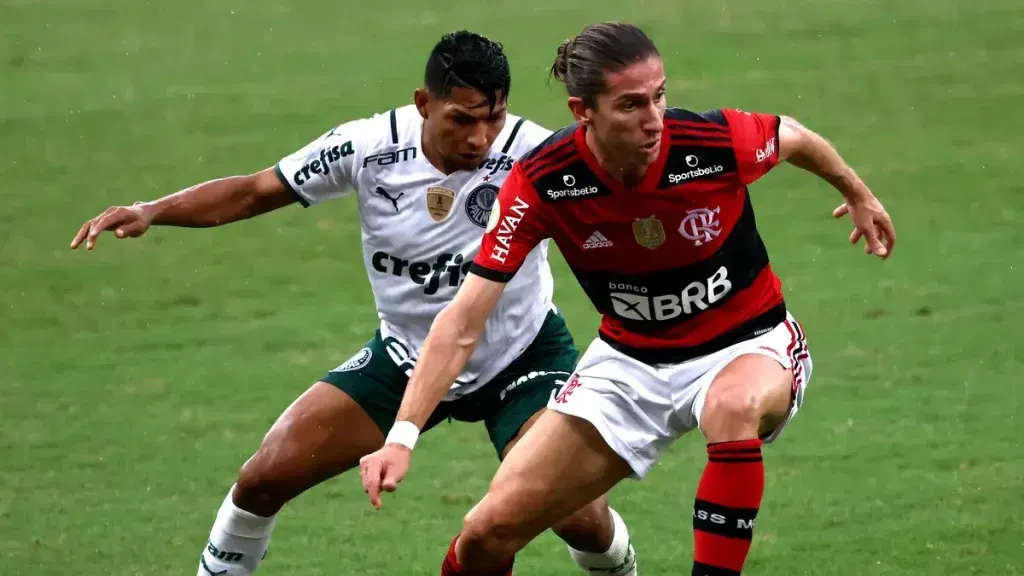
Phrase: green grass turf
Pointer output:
(136, 379)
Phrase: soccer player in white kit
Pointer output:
(649, 206)
(425, 177)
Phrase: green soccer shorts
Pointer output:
(504, 404)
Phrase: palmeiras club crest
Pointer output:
(439, 202)
(701, 225)
(649, 232)
(479, 203)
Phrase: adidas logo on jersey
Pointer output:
(596, 240)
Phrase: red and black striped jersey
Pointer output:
(675, 265)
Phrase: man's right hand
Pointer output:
(871, 222)
(125, 221)
(383, 470)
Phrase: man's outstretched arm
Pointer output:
(447, 349)
(210, 203)
(806, 149)
(321, 170)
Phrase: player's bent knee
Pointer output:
(734, 405)
(736, 410)
(269, 479)
(489, 534)
(589, 529)
(259, 489)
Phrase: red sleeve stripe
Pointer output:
(560, 164)
(689, 141)
(536, 170)
(543, 153)
(690, 133)
(702, 126)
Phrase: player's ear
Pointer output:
(421, 98)
(579, 110)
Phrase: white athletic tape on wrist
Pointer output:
(404, 433)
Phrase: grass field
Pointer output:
(136, 379)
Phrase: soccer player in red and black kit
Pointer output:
(650, 208)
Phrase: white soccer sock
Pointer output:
(238, 542)
(618, 560)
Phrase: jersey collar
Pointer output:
(648, 184)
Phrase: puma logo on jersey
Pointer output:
(426, 274)
(384, 193)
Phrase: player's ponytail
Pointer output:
(560, 68)
(583, 60)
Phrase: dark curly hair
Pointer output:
(468, 60)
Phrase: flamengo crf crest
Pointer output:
(649, 232)
(439, 202)
(701, 225)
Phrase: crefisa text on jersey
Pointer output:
(322, 164)
(424, 273)
(493, 165)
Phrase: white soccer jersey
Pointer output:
(422, 229)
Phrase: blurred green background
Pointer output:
(136, 379)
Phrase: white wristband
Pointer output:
(404, 433)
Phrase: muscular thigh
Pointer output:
(752, 388)
(749, 396)
(322, 433)
(327, 429)
(759, 377)
(554, 469)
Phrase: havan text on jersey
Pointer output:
(507, 226)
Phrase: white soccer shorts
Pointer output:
(640, 409)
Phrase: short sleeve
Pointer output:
(325, 168)
(528, 137)
(515, 227)
(755, 140)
